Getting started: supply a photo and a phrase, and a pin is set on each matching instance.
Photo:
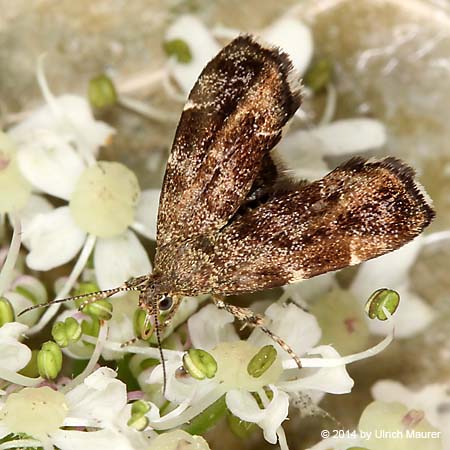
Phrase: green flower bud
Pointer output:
(139, 324)
(180, 49)
(6, 311)
(102, 92)
(140, 407)
(199, 364)
(139, 423)
(67, 332)
(138, 419)
(91, 327)
(49, 360)
(101, 310)
(319, 75)
(382, 298)
(262, 361)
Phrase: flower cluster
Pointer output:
(67, 206)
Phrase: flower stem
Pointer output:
(146, 110)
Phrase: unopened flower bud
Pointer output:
(138, 419)
(67, 332)
(262, 361)
(49, 360)
(101, 309)
(102, 92)
(199, 364)
(382, 299)
(179, 49)
(6, 311)
(91, 327)
(319, 74)
(140, 407)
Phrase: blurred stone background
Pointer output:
(391, 60)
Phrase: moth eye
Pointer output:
(165, 303)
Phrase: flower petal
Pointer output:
(243, 405)
(298, 328)
(389, 270)
(94, 440)
(70, 117)
(295, 38)
(147, 213)
(36, 205)
(431, 399)
(14, 355)
(202, 46)
(180, 390)
(342, 137)
(334, 380)
(211, 326)
(53, 239)
(100, 397)
(118, 259)
(50, 163)
(392, 271)
(412, 316)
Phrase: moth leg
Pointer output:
(247, 316)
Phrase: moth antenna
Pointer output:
(129, 342)
(98, 294)
(161, 354)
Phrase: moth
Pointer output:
(231, 222)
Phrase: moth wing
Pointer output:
(359, 211)
(233, 117)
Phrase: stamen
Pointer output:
(16, 378)
(184, 414)
(7, 272)
(101, 339)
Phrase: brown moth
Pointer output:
(231, 222)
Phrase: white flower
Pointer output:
(210, 329)
(11, 179)
(304, 151)
(57, 145)
(392, 271)
(178, 440)
(397, 411)
(290, 34)
(99, 403)
(432, 399)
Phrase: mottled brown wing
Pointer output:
(233, 117)
(357, 212)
